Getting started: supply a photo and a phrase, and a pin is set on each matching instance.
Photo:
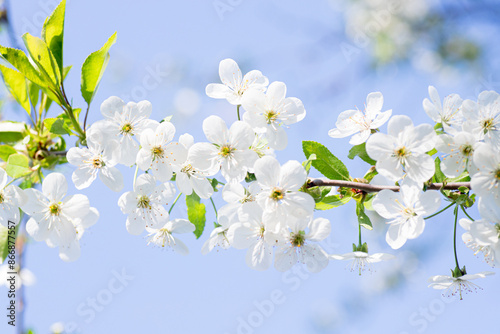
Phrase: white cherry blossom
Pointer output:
(218, 237)
(484, 235)
(403, 150)
(53, 215)
(145, 205)
(280, 196)
(457, 285)
(296, 245)
(96, 159)
(159, 153)
(164, 235)
(405, 211)
(250, 232)
(234, 86)
(228, 149)
(361, 124)
(237, 197)
(449, 114)
(483, 117)
(486, 182)
(459, 150)
(270, 112)
(11, 199)
(188, 177)
(124, 122)
(361, 260)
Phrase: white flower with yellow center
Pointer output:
(403, 150)
(159, 153)
(96, 159)
(459, 150)
(486, 181)
(234, 86)
(270, 112)
(361, 124)
(483, 117)
(164, 236)
(405, 211)
(124, 122)
(296, 245)
(362, 261)
(145, 205)
(53, 215)
(449, 114)
(229, 149)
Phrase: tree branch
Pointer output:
(375, 188)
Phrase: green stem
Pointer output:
(437, 213)
(463, 209)
(173, 204)
(215, 209)
(238, 111)
(359, 227)
(455, 236)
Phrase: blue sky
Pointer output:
(167, 50)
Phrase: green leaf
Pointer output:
(11, 132)
(464, 177)
(326, 163)
(53, 33)
(363, 219)
(43, 58)
(308, 163)
(333, 201)
(17, 165)
(370, 174)
(6, 151)
(93, 69)
(34, 92)
(432, 152)
(196, 213)
(20, 61)
(57, 126)
(360, 151)
(167, 119)
(66, 71)
(438, 176)
(5, 240)
(16, 83)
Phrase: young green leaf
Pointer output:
(332, 201)
(20, 61)
(438, 176)
(196, 213)
(6, 151)
(326, 163)
(57, 126)
(53, 33)
(360, 151)
(43, 58)
(363, 219)
(17, 165)
(16, 83)
(93, 69)
(11, 132)
(4, 241)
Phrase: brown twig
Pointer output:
(375, 188)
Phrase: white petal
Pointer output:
(55, 186)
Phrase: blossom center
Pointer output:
(127, 128)
(408, 213)
(2, 198)
(261, 231)
(497, 227)
(226, 151)
(144, 202)
(55, 209)
(157, 152)
(488, 125)
(277, 194)
(497, 173)
(188, 169)
(97, 162)
(271, 116)
(298, 239)
(466, 150)
(401, 152)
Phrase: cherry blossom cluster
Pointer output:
(467, 133)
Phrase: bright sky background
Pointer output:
(176, 47)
